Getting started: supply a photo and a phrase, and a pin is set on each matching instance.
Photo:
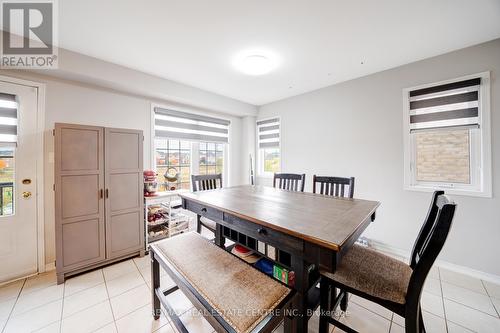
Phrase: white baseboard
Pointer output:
(50, 266)
(440, 263)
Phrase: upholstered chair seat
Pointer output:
(373, 273)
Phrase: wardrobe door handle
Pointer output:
(101, 193)
(107, 193)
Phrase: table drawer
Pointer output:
(267, 235)
(205, 211)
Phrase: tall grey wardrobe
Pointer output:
(98, 197)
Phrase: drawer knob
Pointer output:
(203, 210)
(262, 231)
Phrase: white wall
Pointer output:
(355, 129)
(81, 103)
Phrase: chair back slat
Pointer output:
(289, 181)
(334, 186)
(206, 182)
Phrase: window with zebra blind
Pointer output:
(447, 136)
(268, 145)
(188, 144)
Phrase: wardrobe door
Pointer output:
(79, 202)
(124, 192)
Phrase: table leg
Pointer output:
(155, 283)
(220, 240)
(298, 322)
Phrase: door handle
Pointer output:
(107, 193)
(261, 231)
(203, 210)
(101, 193)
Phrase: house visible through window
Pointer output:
(174, 157)
(187, 144)
(447, 143)
(268, 143)
(211, 158)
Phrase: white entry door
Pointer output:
(18, 163)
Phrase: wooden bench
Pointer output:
(232, 295)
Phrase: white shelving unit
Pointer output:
(164, 216)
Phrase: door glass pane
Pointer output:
(7, 181)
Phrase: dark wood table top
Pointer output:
(323, 220)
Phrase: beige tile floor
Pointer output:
(117, 299)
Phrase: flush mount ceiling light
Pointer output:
(255, 62)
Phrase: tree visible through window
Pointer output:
(271, 158)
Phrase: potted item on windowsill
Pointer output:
(171, 176)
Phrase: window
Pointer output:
(211, 158)
(268, 142)
(8, 143)
(173, 156)
(6, 181)
(447, 136)
(188, 144)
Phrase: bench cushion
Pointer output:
(238, 292)
(373, 273)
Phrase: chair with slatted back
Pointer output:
(334, 186)
(289, 181)
(205, 183)
(388, 282)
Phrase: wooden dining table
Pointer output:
(306, 231)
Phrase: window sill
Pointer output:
(449, 190)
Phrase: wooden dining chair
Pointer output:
(334, 186)
(204, 183)
(388, 282)
(289, 181)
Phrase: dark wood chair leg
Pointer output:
(155, 283)
(345, 301)
(412, 319)
(198, 224)
(421, 321)
(324, 305)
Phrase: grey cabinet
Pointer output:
(98, 196)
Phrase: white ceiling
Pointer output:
(320, 42)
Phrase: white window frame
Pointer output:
(194, 148)
(480, 143)
(260, 152)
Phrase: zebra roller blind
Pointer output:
(8, 120)
(173, 124)
(448, 105)
(268, 132)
